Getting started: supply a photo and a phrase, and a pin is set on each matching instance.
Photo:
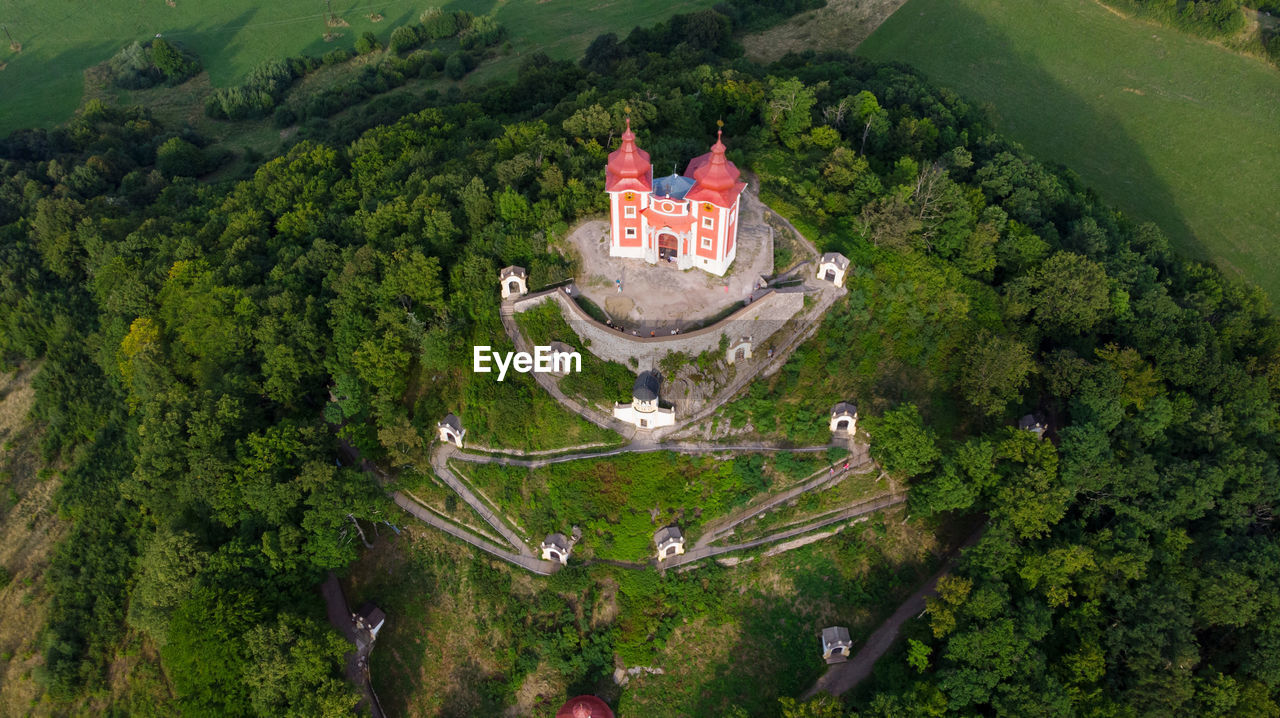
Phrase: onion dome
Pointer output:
(584, 707)
(715, 177)
(628, 167)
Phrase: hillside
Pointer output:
(236, 377)
(1168, 127)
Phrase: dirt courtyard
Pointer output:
(659, 297)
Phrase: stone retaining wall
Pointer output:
(758, 320)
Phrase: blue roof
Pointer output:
(675, 186)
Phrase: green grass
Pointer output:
(611, 498)
(43, 84)
(1167, 127)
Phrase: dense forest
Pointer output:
(204, 346)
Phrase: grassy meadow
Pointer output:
(44, 83)
(1167, 127)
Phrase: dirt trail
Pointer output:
(843, 677)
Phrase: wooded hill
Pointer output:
(201, 343)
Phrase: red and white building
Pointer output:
(689, 220)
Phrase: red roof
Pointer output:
(716, 178)
(584, 707)
(628, 167)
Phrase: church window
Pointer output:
(708, 223)
(629, 196)
(631, 231)
(628, 212)
(706, 207)
(706, 243)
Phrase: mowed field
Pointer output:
(42, 85)
(1167, 127)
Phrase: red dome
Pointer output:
(584, 707)
(716, 178)
(628, 167)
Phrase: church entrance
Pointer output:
(667, 247)
(830, 275)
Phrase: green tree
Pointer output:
(294, 670)
(788, 110)
(994, 372)
(179, 158)
(1068, 293)
(900, 441)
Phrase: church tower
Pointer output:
(629, 181)
(715, 197)
(686, 221)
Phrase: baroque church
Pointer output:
(688, 220)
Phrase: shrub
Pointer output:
(336, 57)
(284, 117)
(177, 65)
(455, 68)
(440, 25)
(138, 66)
(179, 158)
(403, 39)
(484, 31)
(367, 43)
(131, 68)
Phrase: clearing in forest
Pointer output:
(1168, 127)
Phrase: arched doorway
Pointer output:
(830, 276)
(514, 287)
(668, 246)
(842, 425)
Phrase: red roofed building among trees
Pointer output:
(688, 220)
(584, 707)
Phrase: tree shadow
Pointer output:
(1048, 117)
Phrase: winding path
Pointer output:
(870, 506)
(640, 442)
(524, 560)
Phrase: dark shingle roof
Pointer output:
(646, 387)
(371, 615)
(512, 271)
(452, 422)
(844, 407)
(557, 540)
(1030, 421)
(667, 533)
(835, 634)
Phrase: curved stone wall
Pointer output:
(758, 320)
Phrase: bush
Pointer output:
(264, 86)
(132, 69)
(403, 39)
(367, 43)
(179, 158)
(284, 117)
(484, 31)
(455, 68)
(177, 65)
(439, 25)
(336, 57)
